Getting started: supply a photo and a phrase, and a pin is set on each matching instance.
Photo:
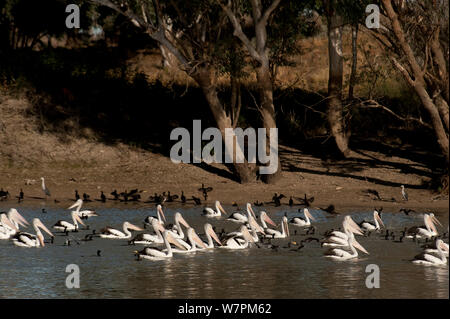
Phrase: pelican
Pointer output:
(82, 213)
(44, 188)
(62, 225)
(161, 218)
(11, 218)
(340, 239)
(148, 239)
(209, 212)
(434, 250)
(111, 233)
(195, 243)
(210, 235)
(177, 231)
(22, 239)
(235, 243)
(340, 254)
(300, 222)
(272, 233)
(264, 218)
(7, 228)
(431, 260)
(427, 231)
(368, 226)
(241, 218)
(157, 254)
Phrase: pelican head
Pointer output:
(441, 245)
(159, 209)
(352, 242)
(429, 222)
(250, 210)
(5, 221)
(351, 226)
(246, 234)
(307, 213)
(219, 207)
(193, 237)
(76, 218)
(130, 226)
(14, 215)
(78, 203)
(39, 225)
(181, 220)
(209, 230)
(157, 226)
(376, 216)
(263, 216)
(435, 220)
(285, 224)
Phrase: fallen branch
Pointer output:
(372, 104)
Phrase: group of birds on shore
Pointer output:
(165, 240)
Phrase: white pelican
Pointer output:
(272, 233)
(340, 254)
(195, 243)
(161, 218)
(210, 235)
(111, 233)
(241, 218)
(177, 231)
(82, 213)
(368, 226)
(209, 212)
(236, 241)
(13, 217)
(300, 222)
(64, 226)
(148, 239)
(427, 231)
(22, 239)
(434, 250)
(430, 260)
(157, 254)
(340, 239)
(7, 228)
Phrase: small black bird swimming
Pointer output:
(102, 197)
(406, 210)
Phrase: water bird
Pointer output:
(99, 253)
(83, 214)
(301, 222)
(86, 197)
(404, 193)
(111, 233)
(428, 259)
(341, 254)
(115, 195)
(183, 198)
(158, 254)
(3, 194)
(77, 196)
(375, 225)
(205, 191)
(427, 231)
(196, 200)
(45, 188)
(209, 212)
(406, 211)
(330, 210)
(65, 226)
(14, 218)
(102, 197)
(44, 211)
(291, 201)
(258, 203)
(279, 234)
(28, 240)
(239, 241)
(305, 200)
(21, 196)
(160, 217)
(277, 199)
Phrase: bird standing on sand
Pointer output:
(404, 193)
(21, 196)
(44, 188)
(183, 198)
(77, 196)
(103, 197)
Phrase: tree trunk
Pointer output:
(443, 110)
(336, 68)
(267, 111)
(205, 78)
(354, 61)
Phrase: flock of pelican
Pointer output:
(181, 238)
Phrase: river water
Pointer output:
(250, 273)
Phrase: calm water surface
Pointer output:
(251, 273)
